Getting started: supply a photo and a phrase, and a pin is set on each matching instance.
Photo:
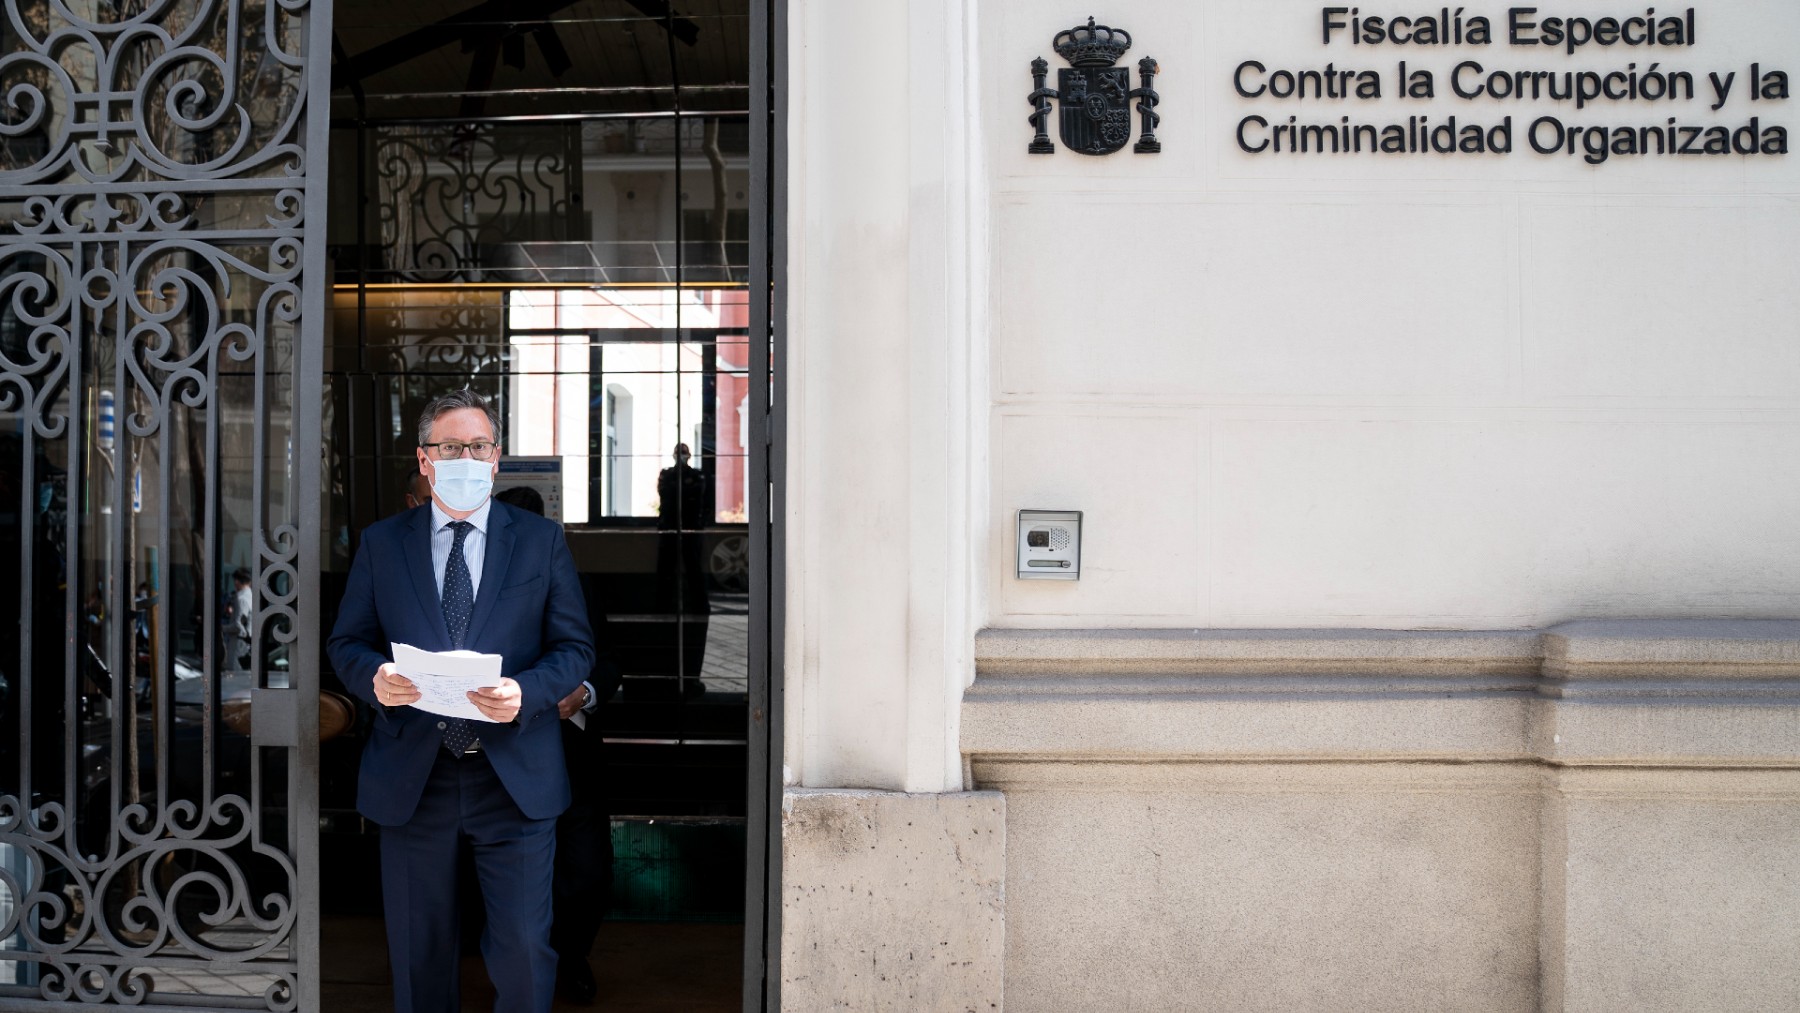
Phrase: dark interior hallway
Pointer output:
(642, 967)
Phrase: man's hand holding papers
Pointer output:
(458, 684)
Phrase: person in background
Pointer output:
(584, 850)
(418, 490)
(681, 516)
(238, 642)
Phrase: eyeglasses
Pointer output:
(450, 450)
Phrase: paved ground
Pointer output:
(642, 967)
(727, 653)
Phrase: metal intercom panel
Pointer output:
(1049, 544)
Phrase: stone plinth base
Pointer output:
(892, 901)
(1597, 817)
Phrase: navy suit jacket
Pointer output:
(528, 609)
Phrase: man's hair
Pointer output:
(454, 401)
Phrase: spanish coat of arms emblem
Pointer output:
(1095, 118)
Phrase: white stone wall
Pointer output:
(1305, 404)
(887, 402)
(1402, 391)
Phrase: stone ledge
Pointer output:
(1003, 652)
(1679, 648)
(1758, 648)
(1627, 692)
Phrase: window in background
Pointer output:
(626, 375)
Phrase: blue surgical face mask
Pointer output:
(463, 484)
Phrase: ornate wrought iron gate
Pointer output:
(161, 281)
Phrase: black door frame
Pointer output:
(768, 470)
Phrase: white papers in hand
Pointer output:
(445, 678)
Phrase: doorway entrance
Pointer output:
(563, 205)
(557, 213)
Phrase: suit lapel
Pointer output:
(493, 567)
(418, 564)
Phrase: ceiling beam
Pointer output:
(478, 21)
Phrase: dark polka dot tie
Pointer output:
(459, 604)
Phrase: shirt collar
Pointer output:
(479, 518)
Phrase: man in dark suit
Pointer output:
(465, 572)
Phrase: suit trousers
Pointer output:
(514, 855)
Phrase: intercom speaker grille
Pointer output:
(1059, 538)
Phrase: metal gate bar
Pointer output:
(161, 297)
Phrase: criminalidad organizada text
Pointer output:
(1545, 135)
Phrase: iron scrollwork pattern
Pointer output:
(436, 332)
(456, 201)
(153, 171)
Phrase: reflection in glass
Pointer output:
(587, 273)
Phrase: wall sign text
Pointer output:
(1653, 101)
